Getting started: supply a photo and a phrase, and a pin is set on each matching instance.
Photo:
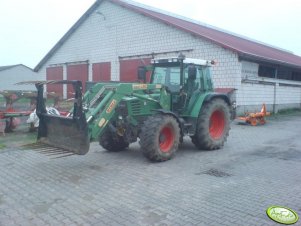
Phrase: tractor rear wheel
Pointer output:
(213, 125)
(160, 137)
(112, 143)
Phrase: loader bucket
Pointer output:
(66, 134)
(62, 134)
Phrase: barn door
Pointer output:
(101, 72)
(77, 72)
(128, 69)
(55, 73)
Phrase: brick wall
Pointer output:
(288, 95)
(276, 93)
(113, 31)
(120, 32)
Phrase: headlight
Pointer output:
(234, 104)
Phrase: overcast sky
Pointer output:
(30, 28)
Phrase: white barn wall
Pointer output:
(121, 32)
(250, 96)
(288, 97)
(13, 75)
(113, 31)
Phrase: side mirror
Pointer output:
(192, 72)
(142, 73)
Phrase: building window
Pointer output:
(284, 73)
(266, 71)
(288, 74)
(296, 75)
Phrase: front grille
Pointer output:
(136, 107)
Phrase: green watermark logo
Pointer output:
(282, 215)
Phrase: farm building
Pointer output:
(10, 75)
(114, 37)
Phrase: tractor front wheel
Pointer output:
(160, 137)
(112, 143)
(213, 125)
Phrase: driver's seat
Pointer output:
(191, 85)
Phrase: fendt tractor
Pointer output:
(178, 101)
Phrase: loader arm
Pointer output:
(100, 116)
(89, 116)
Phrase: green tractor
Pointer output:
(179, 101)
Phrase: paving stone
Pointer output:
(258, 167)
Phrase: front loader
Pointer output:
(179, 101)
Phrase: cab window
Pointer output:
(195, 82)
(168, 76)
(203, 78)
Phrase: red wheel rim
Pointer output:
(166, 139)
(217, 124)
(262, 121)
(253, 121)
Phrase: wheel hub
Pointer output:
(166, 139)
(217, 125)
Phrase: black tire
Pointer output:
(213, 125)
(8, 126)
(112, 143)
(160, 137)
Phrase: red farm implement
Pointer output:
(9, 115)
(256, 118)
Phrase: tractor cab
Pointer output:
(184, 79)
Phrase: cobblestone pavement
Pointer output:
(258, 167)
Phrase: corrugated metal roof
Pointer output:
(244, 47)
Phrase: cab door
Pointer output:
(169, 76)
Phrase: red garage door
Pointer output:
(128, 69)
(55, 73)
(77, 72)
(101, 72)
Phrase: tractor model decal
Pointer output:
(139, 86)
(111, 106)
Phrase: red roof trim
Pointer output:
(224, 90)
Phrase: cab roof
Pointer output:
(185, 61)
